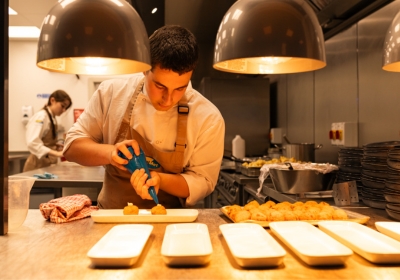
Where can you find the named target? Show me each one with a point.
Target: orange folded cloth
(68, 208)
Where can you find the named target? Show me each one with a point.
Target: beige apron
(117, 190)
(33, 162)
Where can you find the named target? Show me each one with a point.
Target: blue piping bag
(138, 162)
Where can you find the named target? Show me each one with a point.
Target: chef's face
(57, 108)
(165, 87)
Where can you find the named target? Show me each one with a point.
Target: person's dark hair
(174, 48)
(59, 96)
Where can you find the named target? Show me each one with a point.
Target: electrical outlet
(344, 134)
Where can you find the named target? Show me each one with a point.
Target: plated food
(131, 209)
(310, 211)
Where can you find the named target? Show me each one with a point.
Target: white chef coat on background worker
(38, 126)
(205, 129)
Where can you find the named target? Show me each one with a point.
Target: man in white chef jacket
(179, 130)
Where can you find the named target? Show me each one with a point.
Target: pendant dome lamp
(391, 47)
(269, 37)
(93, 37)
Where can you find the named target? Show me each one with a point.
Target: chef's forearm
(174, 184)
(87, 152)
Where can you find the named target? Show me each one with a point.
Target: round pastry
(158, 210)
(242, 215)
(276, 216)
(131, 209)
(269, 203)
(310, 203)
(339, 214)
(289, 216)
(258, 216)
(324, 215)
(252, 204)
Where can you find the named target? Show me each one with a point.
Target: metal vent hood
(337, 15)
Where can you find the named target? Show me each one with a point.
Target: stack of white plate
(392, 183)
(375, 171)
(350, 168)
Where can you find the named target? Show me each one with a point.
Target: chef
(41, 132)
(179, 130)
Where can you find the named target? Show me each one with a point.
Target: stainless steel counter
(43, 250)
(70, 175)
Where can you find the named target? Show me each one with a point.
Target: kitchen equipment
(300, 181)
(19, 188)
(301, 151)
(138, 162)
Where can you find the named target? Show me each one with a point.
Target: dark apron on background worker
(117, 190)
(33, 162)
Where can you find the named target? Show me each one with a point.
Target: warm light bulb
(95, 61)
(272, 60)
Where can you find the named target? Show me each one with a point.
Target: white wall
(26, 81)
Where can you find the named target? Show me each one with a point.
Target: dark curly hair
(174, 48)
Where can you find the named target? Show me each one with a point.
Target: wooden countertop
(43, 250)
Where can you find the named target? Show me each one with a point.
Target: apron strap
(181, 137)
(125, 124)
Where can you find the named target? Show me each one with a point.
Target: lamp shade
(95, 37)
(269, 37)
(391, 47)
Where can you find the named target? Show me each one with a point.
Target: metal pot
(301, 151)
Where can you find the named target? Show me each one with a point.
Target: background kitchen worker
(41, 132)
(180, 131)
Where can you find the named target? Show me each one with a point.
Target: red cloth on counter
(68, 208)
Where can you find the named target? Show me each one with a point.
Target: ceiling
(202, 17)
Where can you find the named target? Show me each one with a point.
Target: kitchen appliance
(301, 151)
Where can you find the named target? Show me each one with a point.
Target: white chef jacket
(102, 118)
(38, 126)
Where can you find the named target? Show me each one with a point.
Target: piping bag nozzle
(138, 162)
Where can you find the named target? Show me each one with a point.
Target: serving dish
(368, 243)
(310, 244)
(252, 246)
(391, 229)
(352, 216)
(145, 216)
(186, 244)
(300, 181)
(122, 245)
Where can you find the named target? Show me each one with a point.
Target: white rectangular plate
(120, 246)
(370, 244)
(252, 246)
(391, 229)
(145, 216)
(186, 244)
(310, 244)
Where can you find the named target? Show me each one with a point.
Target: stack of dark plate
(350, 168)
(375, 172)
(392, 183)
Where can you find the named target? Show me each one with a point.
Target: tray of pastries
(309, 211)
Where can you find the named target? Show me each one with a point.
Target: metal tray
(352, 217)
(250, 171)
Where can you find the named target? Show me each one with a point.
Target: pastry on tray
(131, 209)
(158, 210)
(284, 211)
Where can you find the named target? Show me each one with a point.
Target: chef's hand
(141, 186)
(119, 162)
(56, 153)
